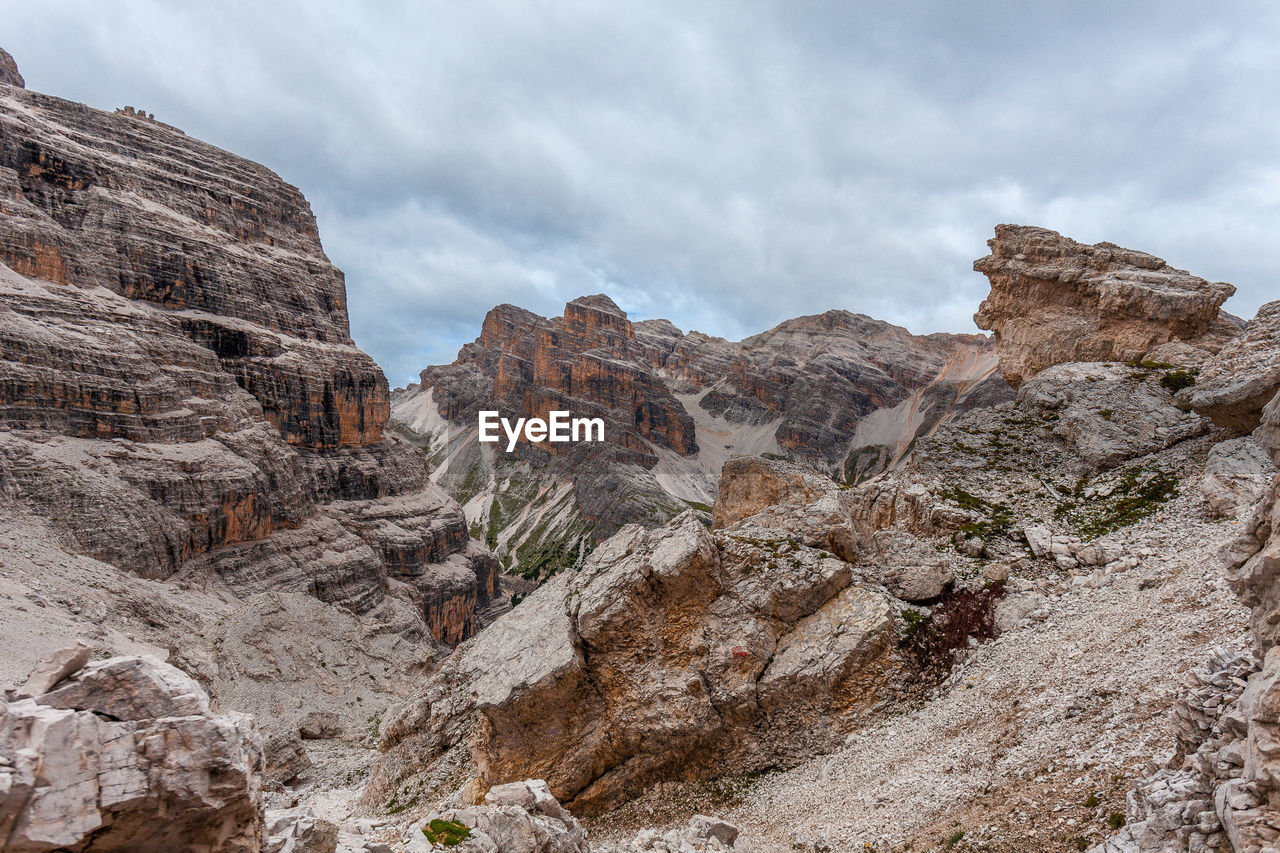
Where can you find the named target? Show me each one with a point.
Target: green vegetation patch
(1176, 380)
(450, 833)
(996, 516)
(1137, 495)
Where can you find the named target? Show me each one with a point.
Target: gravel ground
(1034, 740)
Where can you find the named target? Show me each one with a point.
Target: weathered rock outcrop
(1108, 413)
(841, 391)
(125, 755)
(179, 391)
(1235, 385)
(1054, 301)
(1236, 477)
(9, 75)
(672, 654)
(1226, 791)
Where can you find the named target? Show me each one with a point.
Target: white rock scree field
(603, 584)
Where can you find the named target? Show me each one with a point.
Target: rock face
(1054, 300)
(9, 75)
(93, 763)
(1243, 377)
(1110, 412)
(842, 391)
(179, 392)
(1236, 477)
(673, 653)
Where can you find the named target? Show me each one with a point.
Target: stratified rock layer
(179, 391)
(1054, 300)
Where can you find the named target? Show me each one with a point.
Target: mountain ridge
(677, 406)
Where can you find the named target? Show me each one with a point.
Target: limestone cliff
(179, 391)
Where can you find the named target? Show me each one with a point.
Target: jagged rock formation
(9, 75)
(1238, 767)
(179, 392)
(998, 498)
(92, 763)
(673, 653)
(841, 390)
(1235, 385)
(1054, 300)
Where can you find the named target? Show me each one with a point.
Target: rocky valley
(835, 587)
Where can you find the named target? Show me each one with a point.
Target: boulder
(320, 725)
(704, 827)
(299, 830)
(676, 653)
(908, 567)
(532, 795)
(79, 777)
(1054, 300)
(1236, 477)
(1039, 539)
(130, 688)
(286, 757)
(1243, 377)
(53, 669)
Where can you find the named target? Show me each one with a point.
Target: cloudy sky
(723, 164)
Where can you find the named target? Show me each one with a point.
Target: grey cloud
(725, 165)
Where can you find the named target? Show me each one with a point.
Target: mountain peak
(9, 70)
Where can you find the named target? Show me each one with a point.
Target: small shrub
(1091, 801)
(1176, 380)
(954, 838)
(450, 833)
(1106, 414)
(931, 639)
(1115, 820)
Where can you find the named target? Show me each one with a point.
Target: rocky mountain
(842, 392)
(193, 462)
(1052, 625)
(988, 641)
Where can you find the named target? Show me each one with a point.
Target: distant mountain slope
(842, 392)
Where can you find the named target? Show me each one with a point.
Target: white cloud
(726, 165)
